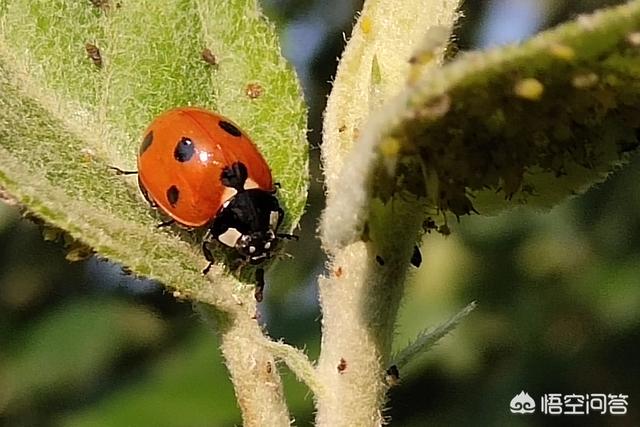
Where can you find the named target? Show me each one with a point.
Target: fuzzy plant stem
(251, 365)
(360, 298)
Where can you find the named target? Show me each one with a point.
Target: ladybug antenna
(122, 171)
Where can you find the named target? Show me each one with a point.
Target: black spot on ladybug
(234, 176)
(416, 257)
(184, 150)
(229, 128)
(146, 142)
(379, 260)
(173, 194)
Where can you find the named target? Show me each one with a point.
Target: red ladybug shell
(181, 159)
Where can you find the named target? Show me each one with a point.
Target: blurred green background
(82, 344)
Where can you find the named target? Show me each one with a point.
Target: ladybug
(201, 170)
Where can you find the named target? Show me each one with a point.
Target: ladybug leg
(283, 235)
(166, 223)
(259, 292)
(208, 256)
(121, 171)
(143, 190)
(280, 217)
(205, 270)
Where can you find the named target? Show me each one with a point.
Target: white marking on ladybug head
(203, 156)
(252, 249)
(228, 194)
(230, 237)
(249, 184)
(274, 219)
(267, 245)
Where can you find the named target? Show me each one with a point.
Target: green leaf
(529, 124)
(76, 343)
(381, 56)
(176, 391)
(376, 64)
(426, 339)
(65, 117)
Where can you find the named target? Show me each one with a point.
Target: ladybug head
(257, 246)
(249, 223)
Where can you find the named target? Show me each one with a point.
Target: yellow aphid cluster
(530, 89)
(564, 118)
